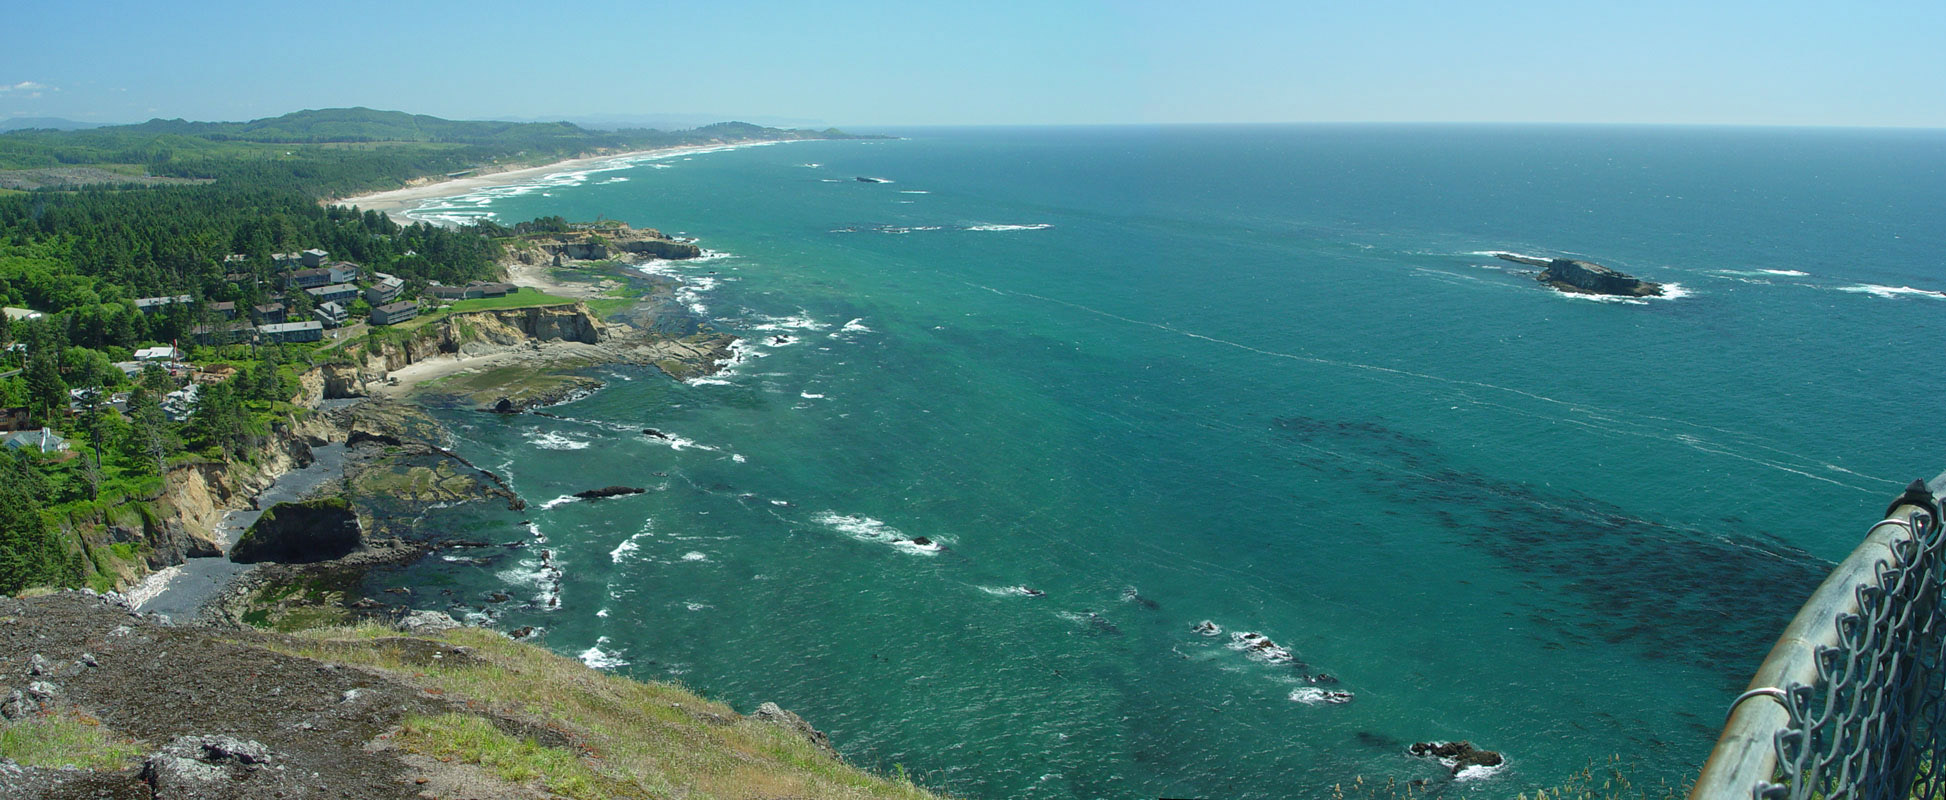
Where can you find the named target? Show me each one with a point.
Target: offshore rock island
(1585, 277)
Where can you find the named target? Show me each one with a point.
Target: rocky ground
(97, 701)
(210, 717)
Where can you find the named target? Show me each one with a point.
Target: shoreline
(398, 203)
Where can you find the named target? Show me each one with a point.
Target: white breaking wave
(566, 498)
(1260, 646)
(1011, 591)
(1499, 253)
(867, 529)
(864, 529)
(1312, 696)
(599, 657)
(630, 545)
(1479, 772)
(695, 556)
(800, 321)
(1670, 291)
(471, 207)
(810, 396)
(547, 440)
(1038, 226)
(856, 326)
(1892, 292)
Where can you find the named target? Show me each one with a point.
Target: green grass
(522, 299)
(66, 739)
(475, 740)
(636, 739)
(525, 298)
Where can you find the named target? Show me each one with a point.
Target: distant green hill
(344, 125)
(50, 123)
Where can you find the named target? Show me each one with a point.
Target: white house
(164, 353)
(43, 440)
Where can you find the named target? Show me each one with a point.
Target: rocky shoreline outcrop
(1585, 277)
(600, 244)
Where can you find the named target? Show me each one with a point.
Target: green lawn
(521, 299)
(525, 298)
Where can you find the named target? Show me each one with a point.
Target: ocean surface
(1270, 378)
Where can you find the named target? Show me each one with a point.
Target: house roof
(144, 302)
(43, 439)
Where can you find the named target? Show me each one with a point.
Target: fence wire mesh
(1860, 677)
(1869, 726)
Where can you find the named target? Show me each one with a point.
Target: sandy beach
(396, 202)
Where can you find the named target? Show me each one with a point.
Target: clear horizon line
(1500, 123)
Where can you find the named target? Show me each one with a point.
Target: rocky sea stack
(1586, 277)
(301, 533)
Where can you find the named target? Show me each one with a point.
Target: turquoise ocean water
(1266, 377)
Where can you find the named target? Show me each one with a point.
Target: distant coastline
(395, 203)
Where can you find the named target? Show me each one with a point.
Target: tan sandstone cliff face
(195, 496)
(482, 332)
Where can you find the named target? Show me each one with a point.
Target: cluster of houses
(19, 431)
(332, 287)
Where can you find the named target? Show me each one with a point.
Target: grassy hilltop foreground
(99, 702)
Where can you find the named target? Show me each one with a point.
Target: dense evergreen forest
(79, 258)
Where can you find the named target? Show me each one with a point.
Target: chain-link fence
(1850, 702)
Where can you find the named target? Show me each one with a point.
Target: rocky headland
(1585, 277)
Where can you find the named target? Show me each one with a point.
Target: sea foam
(1037, 226)
(547, 440)
(599, 657)
(1892, 292)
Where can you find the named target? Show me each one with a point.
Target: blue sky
(867, 64)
